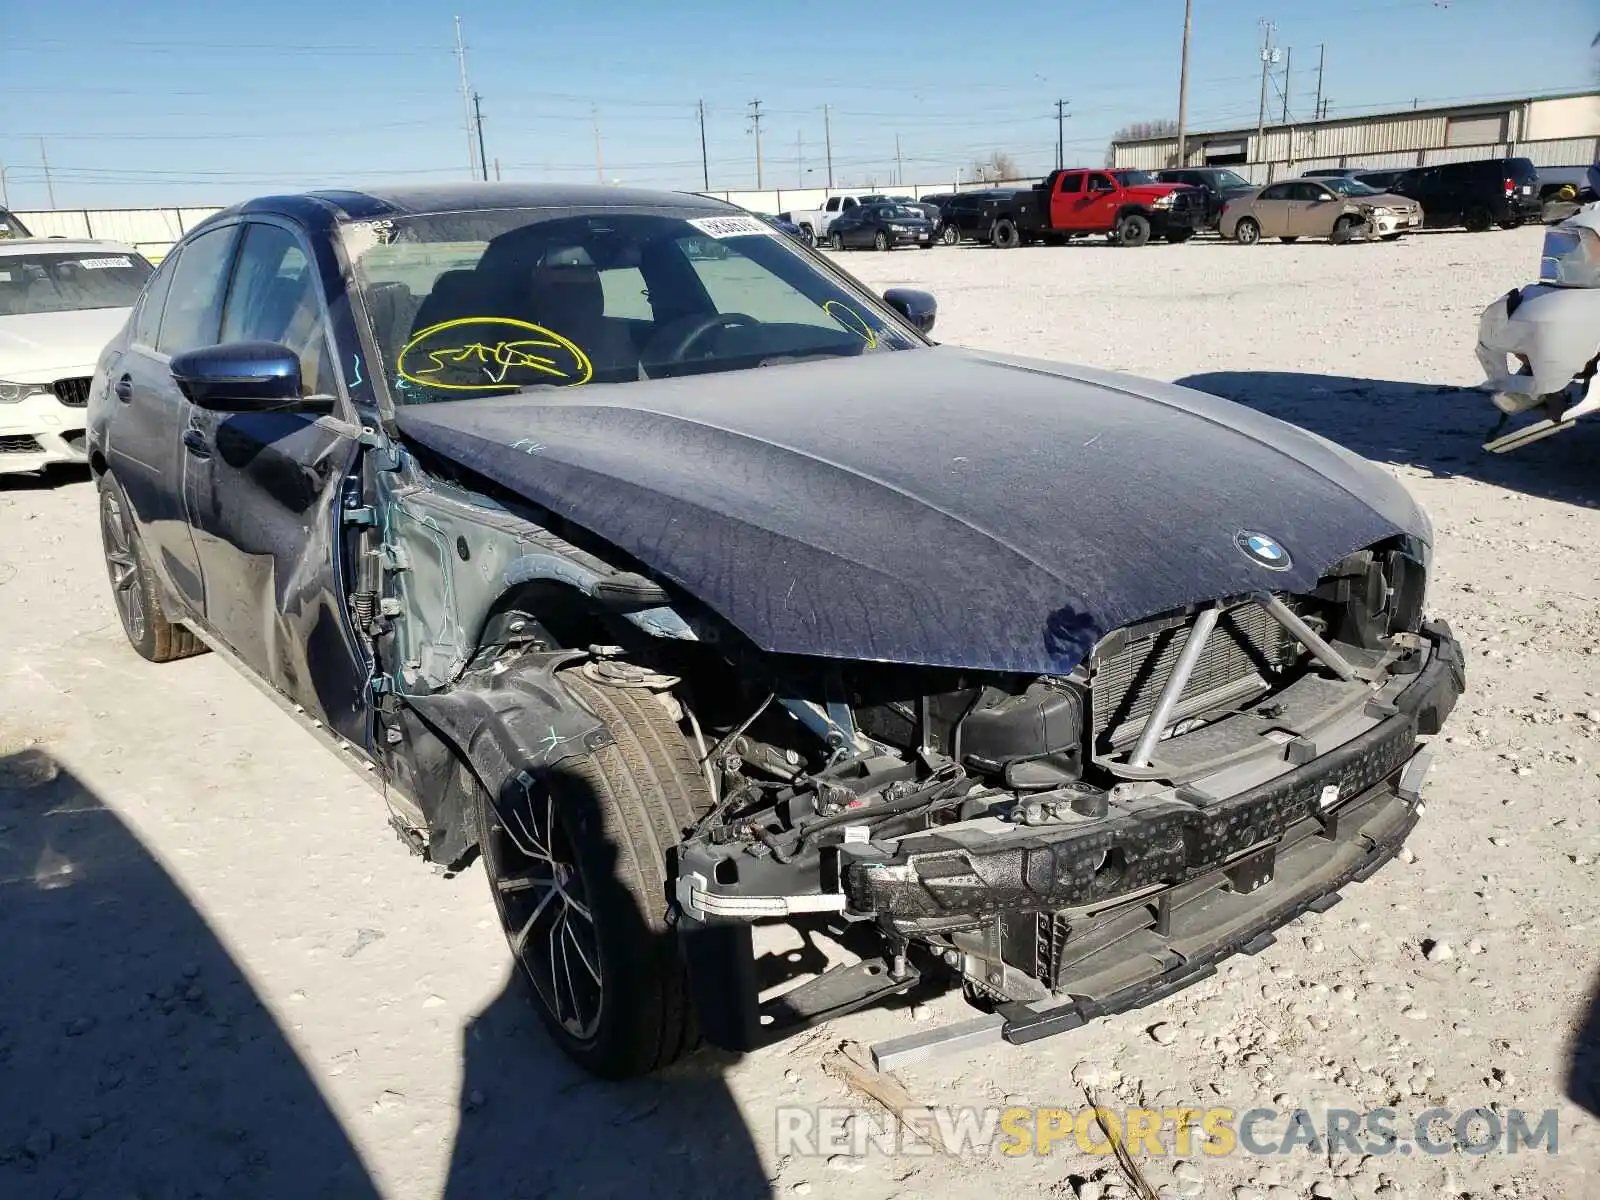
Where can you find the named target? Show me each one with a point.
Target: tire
(135, 593)
(1004, 235)
(880, 241)
(1344, 230)
(1178, 237)
(836, 241)
(1132, 230)
(1289, 241)
(1478, 219)
(1514, 223)
(951, 235)
(1247, 232)
(1392, 237)
(609, 821)
(928, 245)
(808, 235)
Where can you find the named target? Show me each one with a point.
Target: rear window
(1521, 169)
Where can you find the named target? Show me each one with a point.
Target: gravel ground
(225, 978)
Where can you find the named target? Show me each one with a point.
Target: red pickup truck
(1128, 207)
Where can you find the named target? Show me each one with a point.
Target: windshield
(900, 212)
(44, 283)
(1345, 186)
(1134, 178)
(483, 303)
(1227, 179)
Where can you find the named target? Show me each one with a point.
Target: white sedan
(61, 301)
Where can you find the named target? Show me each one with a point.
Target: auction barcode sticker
(726, 227)
(105, 264)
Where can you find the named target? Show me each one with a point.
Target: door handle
(196, 444)
(124, 388)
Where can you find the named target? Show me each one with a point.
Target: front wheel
(880, 241)
(1344, 230)
(1178, 237)
(1133, 230)
(951, 235)
(576, 859)
(836, 241)
(134, 590)
(1247, 232)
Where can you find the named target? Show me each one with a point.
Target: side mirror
(239, 377)
(918, 307)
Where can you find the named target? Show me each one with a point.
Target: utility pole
(5, 200)
(1183, 83)
(599, 159)
(899, 164)
(705, 163)
(827, 139)
(755, 128)
(497, 168)
(799, 159)
(1322, 52)
(1288, 55)
(477, 117)
(466, 101)
(1061, 145)
(50, 188)
(1268, 57)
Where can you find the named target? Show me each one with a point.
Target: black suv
(1217, 183)
(10, 227)
(1477, 194)
(963, 216)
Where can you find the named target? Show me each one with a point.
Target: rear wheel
(577, 862)
(1510, 224)
(1133, 230)
(1478, 219)
(1004, 234)
(1247, 232)
(134, 589)
(808, 235)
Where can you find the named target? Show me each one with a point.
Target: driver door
(1312, 210)
(263, 492)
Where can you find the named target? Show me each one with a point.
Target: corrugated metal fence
(151, 231)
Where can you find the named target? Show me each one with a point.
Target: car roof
(63, 245)
(420, 199)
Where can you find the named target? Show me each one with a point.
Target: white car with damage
(61, 301)
(1539, 345)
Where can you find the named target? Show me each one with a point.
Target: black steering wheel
(678, 346)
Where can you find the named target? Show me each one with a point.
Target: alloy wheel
(545, 907)
(122, 565)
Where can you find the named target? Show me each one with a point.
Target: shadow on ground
(137, 1059)
(1583, 1074)
(1440, 429)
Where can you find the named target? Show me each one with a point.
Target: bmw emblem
(1262, 550)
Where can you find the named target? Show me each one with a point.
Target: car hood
(1154, 191)
(935, 506)
(1384, 200)
(40, 347)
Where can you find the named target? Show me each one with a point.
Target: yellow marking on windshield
(851, 320)
(480, 344)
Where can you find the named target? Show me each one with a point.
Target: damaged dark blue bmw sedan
(637, 549)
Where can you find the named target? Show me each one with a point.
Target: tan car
(1335, 208)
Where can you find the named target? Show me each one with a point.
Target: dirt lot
(225, 978)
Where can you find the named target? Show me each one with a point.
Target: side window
(832, 205)
(1072, 184)
(148, 323)
(626, 293)
(1101, 183)
(275, 298)
(850, 202)
(1309, 192)
(194, 303)
(1278, 191)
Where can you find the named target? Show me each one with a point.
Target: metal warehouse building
(1553, 131)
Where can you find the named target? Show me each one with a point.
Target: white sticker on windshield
(105, 264)
(727, 227)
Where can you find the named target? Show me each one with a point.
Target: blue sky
(188, 102)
